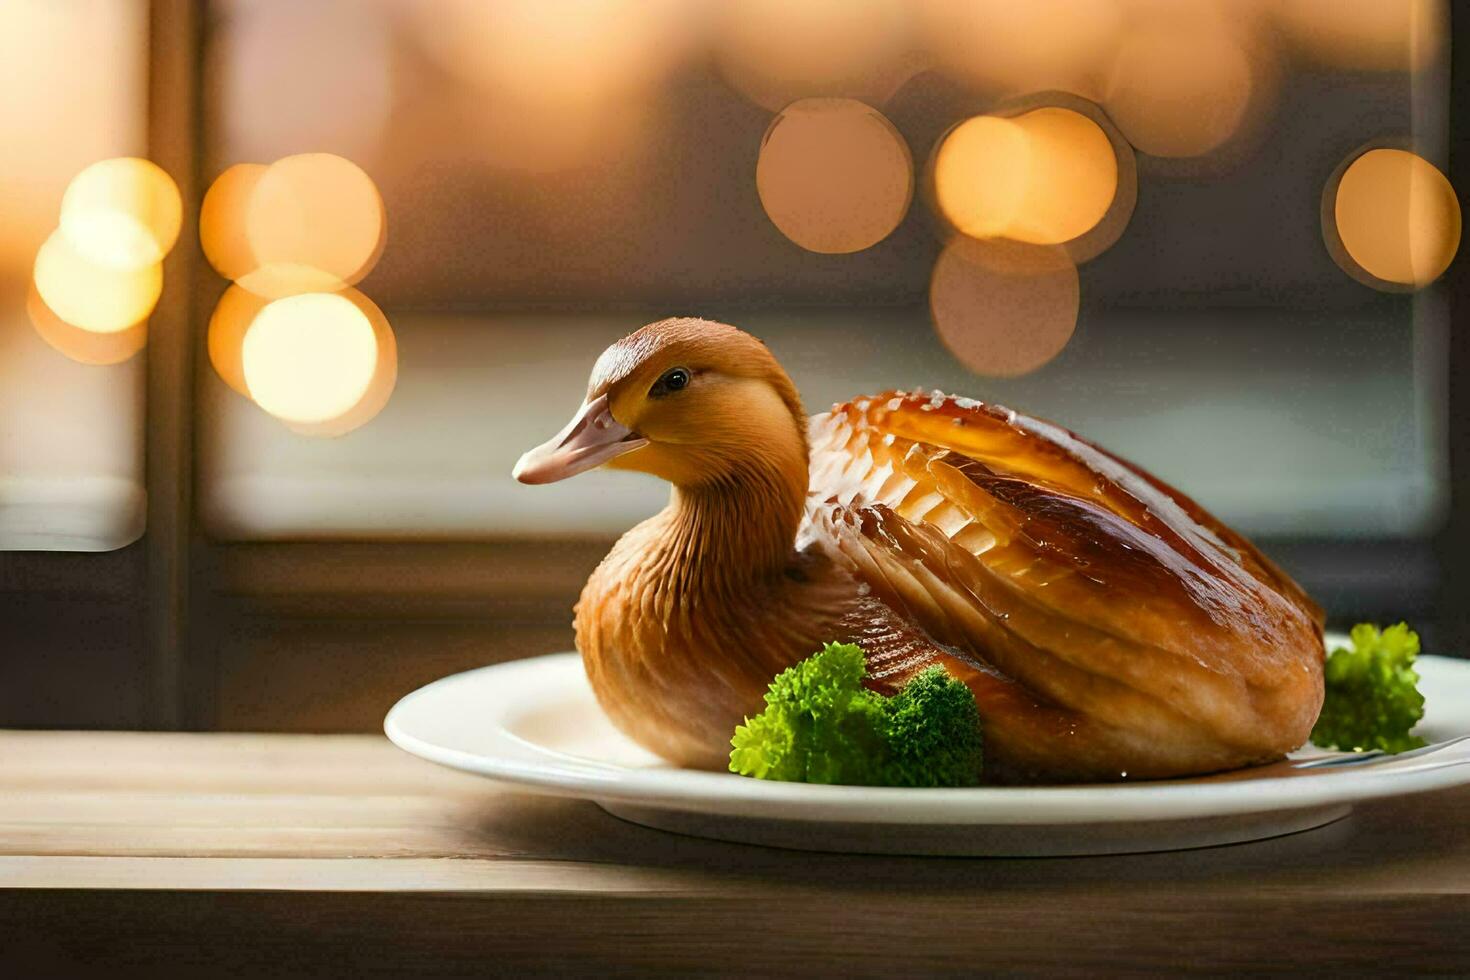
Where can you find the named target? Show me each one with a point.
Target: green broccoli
(820, 725)
(1372, 701)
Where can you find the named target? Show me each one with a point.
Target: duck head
(697, 403)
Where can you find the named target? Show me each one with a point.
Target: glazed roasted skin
(1109, 627)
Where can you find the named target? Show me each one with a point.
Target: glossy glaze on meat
(1111, 628)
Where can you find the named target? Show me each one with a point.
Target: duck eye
(674, 379)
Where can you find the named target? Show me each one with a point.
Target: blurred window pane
(530, 223)
(73, 90)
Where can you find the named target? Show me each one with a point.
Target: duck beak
(590, 439)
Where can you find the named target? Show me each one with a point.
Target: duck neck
(731, 532)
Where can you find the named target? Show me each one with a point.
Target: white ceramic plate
(536, 724)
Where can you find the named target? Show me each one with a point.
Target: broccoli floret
(933, 732)
(1371, 698)
(820, 725)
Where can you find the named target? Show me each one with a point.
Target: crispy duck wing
(1108, 625)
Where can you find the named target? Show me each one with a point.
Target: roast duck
(1108, 626)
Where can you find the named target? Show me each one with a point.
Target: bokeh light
(312, 360)
(1377, 35)
(1004, 308)
(124, 213)
(1007, 47)
(981, 175)
(290, 334)
(222, 220)
(834, 175)
(1391, 217)
(225, 339)
(97, 278)
(379, 389)
(309, 358)
(314, 222)
(1181, 85)
(90, 296)
(84, 346)
(775, 51)
(1045, 177)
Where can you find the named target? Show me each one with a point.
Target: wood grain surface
(133, 853)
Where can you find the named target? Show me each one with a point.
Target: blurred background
(286, 288)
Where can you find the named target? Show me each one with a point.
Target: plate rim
(535, 768)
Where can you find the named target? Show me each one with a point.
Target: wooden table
(299, 853)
